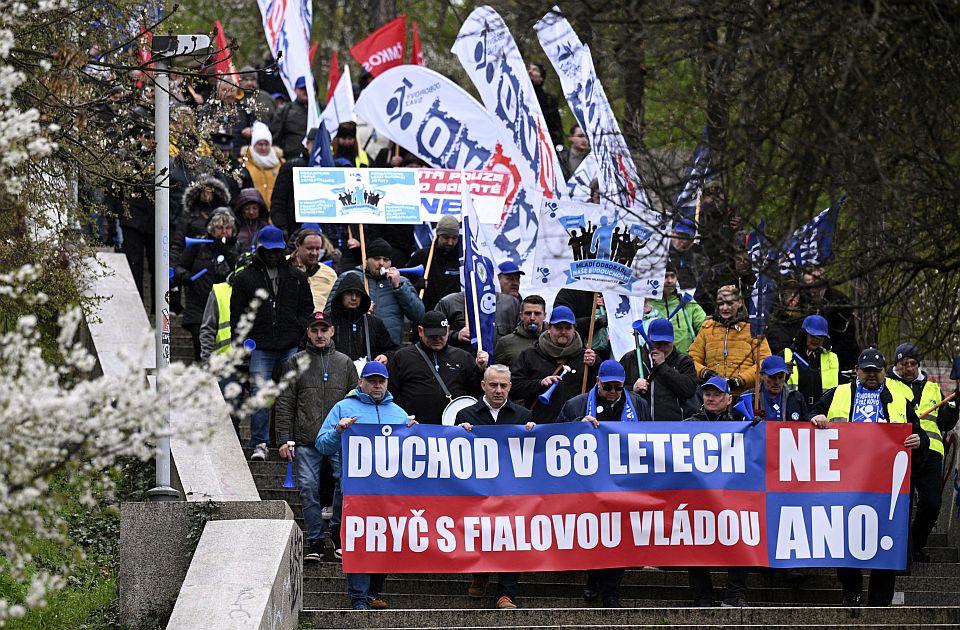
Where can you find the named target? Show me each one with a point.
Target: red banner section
(384, 48)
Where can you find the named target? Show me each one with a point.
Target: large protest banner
(434, 499)
(393, 195)
(286, 25)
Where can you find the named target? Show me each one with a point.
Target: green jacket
(690, 317)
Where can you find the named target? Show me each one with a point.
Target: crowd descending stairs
(928, 597)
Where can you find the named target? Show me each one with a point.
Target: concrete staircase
(651, 597)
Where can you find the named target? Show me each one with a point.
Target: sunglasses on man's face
(611, 387)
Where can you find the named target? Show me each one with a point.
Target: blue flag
(478, 286)
(763, 294)
(322, 154)
(812, 242)
(423, 235)
(685, 204)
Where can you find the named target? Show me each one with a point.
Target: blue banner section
(837, 529)
(430, 460)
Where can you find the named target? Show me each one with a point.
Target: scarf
(554, 351)
(628, 414)
(265, 162)
(867, 406)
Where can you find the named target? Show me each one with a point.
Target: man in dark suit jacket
(495, 408)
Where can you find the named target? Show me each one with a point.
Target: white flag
(286, 26)
(340, 108)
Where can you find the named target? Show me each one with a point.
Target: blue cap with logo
(562, 314)
(660, 330)
(773, 365)
(301, 82)
(611, 370)
(374, 368)
(718, 382)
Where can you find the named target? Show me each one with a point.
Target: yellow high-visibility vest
(829, 369)
(929, 397)
(222, 291)
(839, 410)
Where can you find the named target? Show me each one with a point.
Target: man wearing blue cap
(716, 407)
(688, 261)
(542, 365)
(509, 277)
(289, 125)
(660, 374)
(814, 368)
(926, 469)
(607, 401)
(779, 402)
(370, 403)
(278, 323)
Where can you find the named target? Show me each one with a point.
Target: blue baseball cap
(562, 314)
(611, 370)
(773, 365)
(660, 330)
(816, 325)
(510, 267)
(270, 237)
(719, 382)
(277, 95)
(374, 368)
(311, 226)
(685, 225)
(301, 82)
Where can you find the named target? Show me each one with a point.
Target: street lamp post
(164, 49)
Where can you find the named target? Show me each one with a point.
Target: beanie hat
(260, 131)
(379, 248)
(906, 351)
(448, 226)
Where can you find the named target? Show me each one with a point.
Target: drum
(453, 408)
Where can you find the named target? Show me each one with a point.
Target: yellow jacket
(263, 179)
(729, 351)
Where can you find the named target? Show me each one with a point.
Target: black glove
(706, 375)
(734, 383)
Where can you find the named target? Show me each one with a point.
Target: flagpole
(363, 256)
(593, 321)
(426, 270)
(476, 309)
(696, 217)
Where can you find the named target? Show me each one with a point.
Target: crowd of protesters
(389, 346)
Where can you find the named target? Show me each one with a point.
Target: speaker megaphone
(412, 271)
(544, 398)
(190, 242)
(745, 405)
(685, 299)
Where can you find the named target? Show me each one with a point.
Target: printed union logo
(604, 251)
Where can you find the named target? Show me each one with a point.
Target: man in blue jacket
(369, 403)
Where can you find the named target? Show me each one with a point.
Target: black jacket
(672, 383)
(282, 201)
(196, 214)
(289, 127)
(283, 316)
(532, 366)
(194, 260)
(414, 385)
(352, 325)
(703, 414)
(303, 406)
(575, 409)
(479, 414)
(795, 406)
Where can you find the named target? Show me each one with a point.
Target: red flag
(144, 52)
(334, 76)
(416, 52)
(384, 48)
(313, 51)
(222, 63)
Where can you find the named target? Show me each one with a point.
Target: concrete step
(823, 617)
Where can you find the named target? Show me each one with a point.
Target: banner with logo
(384, 48)
(392, 195)
(562, 497)
(592, 248)
(489, 54)
(444, 126)
(286, 25)
(578, 186)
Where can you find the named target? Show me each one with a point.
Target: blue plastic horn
(685, 299)
(955, 372)
(199, 274)
(288, 482)
(250, 344)
(745, 405)
(190, 242)
(412, 271)
(544, 398)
